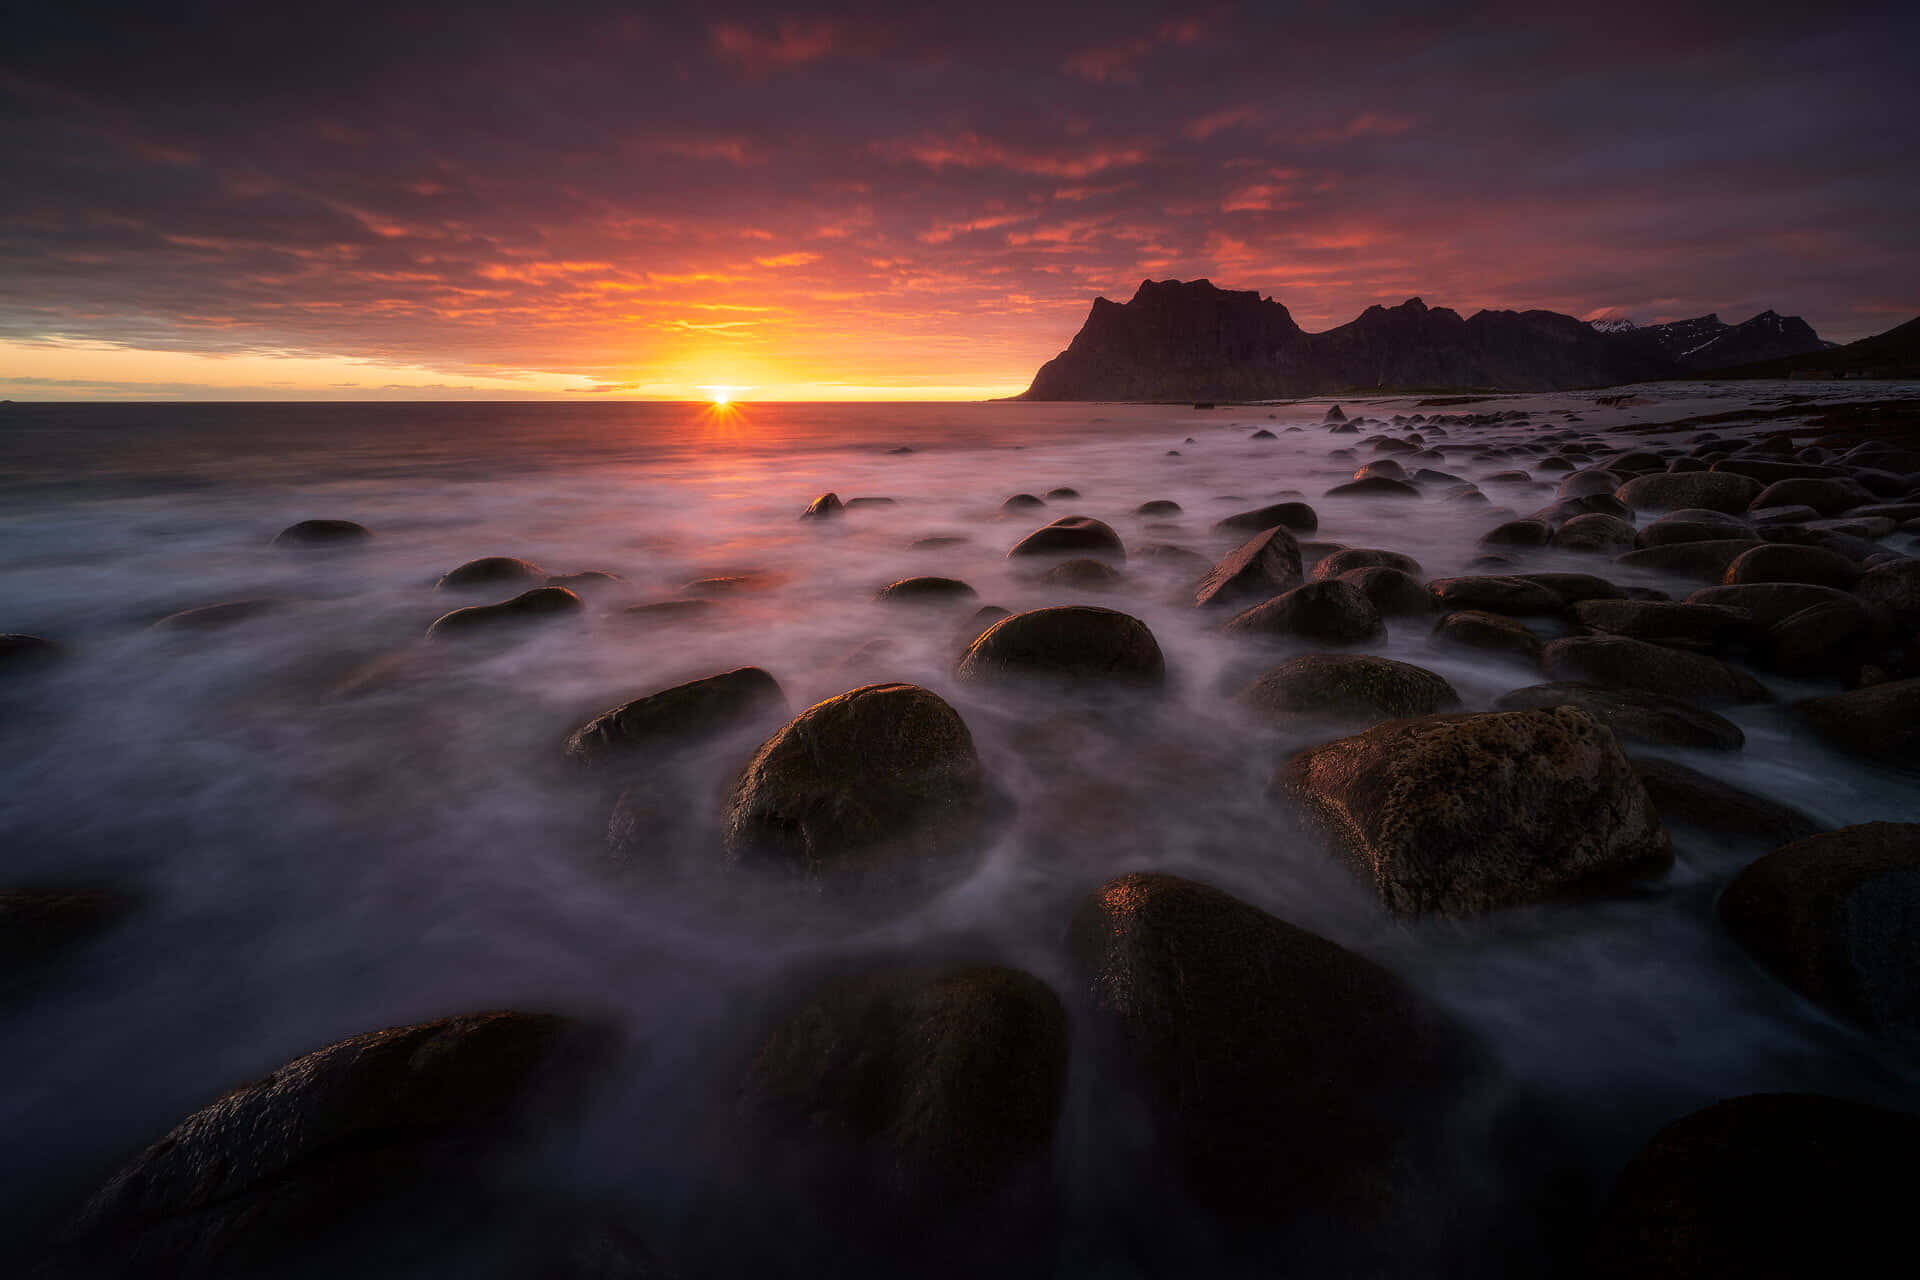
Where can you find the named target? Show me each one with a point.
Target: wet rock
(1495, 594)
(938, 542)
(926, 590)
(1687, 795)
(1335, 414)
(1582, 484)
(1295, 517)
(1347, 687)
(982, 618)
(726, 584)
(1331, 612)
(1828, 497)
(211, 617)
(542, 604)
(22, 653)
(1082, 575)
(1881, 722)
(1633, 715)
(1607, 535)
(1467, 813)
(1075, 643)
(1572, 588)
(1284, 1071)
(585, 580)
(373, 1130)
(926, 1085)
(1263, 434)
(1158, 507)
(1666, 532)
(489, 572)
(1384, 467)
(1895, 587)
(1063, 493)
(1347, 559)
(1622, 663)
(1831, 638)
(1487, 632)
(1394, 592)
(1705, 627)
(1258, 569)
(1168, 558)
(824, 507)
(1778, 562)
(1518, 533)
(1023, 502)
(1071, 535)
(37, 924)
(322, 533)
(1768, 602)
(1714, 490)
(1833, 916)
(682, 716)
(1374, 487)
(1707, 560)
(878, 779)
(855, 504)
(1765, 1185)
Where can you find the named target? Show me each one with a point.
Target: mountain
(1177, 340)
(1893, 354)
(1708, 342)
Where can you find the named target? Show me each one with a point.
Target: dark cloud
(603, 190)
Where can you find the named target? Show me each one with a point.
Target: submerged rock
(491, 571)
(1688, 795)
(1261, 567)
(1158, 507)
(1082, 574)
(35, 924)
(926, 590)
(683, 715)
(1071, 535)
(1374, 487)
(1295, 517)
(1348, 687)
(1633, 714)
(538, 605)
(1331, 612)
(1895, 587)
(824, 507)
(1460, 814)
(210, 617)
(1284, 1072)
(1075, 643)
(21, 653)
(322, 533)
(1834, 917)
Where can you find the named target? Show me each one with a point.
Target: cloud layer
(650, 199)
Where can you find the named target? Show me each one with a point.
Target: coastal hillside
(1893, 354)
(1179, 341)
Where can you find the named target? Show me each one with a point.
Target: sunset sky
(575, 199)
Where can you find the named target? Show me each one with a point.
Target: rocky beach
(1415, 834)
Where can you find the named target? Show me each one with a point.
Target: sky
(892, 201)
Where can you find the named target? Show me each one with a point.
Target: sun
(719, 395)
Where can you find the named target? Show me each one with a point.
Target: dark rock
(1782, 562)
(538, 605)
(585, 580)
(1331, 612)
(1765, 1185)
(1167, 557)
(489, 572)
(1831, 638)
(670, 612)
(926, 590)
(1694, 626)
(1263, 434)
(1881, 721)
(1082, 574)
(1518, 533)
(1488, 632)
(1667, 532)
(855, 504)
(1573, 588)
(1295, 517)
(1687, 795)
(210, 617)
(1258, 569)
(1023, 502)
(1633, 715)
(1583, 484)
(1347, 559)
(21, 653)
(1594, 533)
(682, 716)
(1347, 687)
(824, 507)
(322, 533)
(1714, 490)
(1828, 497)
(1833, 916)
(1062, 493)
(1373, 487)
(1495, 594)
(1072, 535)
(1768, 602)
(1394, 592)
(1076, 643)
(982, 618)
(880, 777)
(1706, 560)
(934, 1084)
(1895, 587)
(1283, 1071)
(36, 924)
(1466, 813)
(938, 542)
(1622, 663)
(1384, 467)
(1158, 507)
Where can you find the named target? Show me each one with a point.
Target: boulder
(1768, 602)
(880, 778)
(1394, 592)
(1076, 643)
(1604, 534)
(1260, 568)
(1881, 721)
(1071, 536)
(1784, 562)
(1581, 484)
(1063, 493)
(1295, 517)
(1460, 814)
(322, 533)
(1633, 715)
(928, 1084)
(1705, 627)
(1158, 507)
(36, 924)
(926, 590)
(1023, 502)
(1492, 593)
(1349, 558)
(1082, 574)
(1668, 491)
(1518, 533)
(1383, 467)
(1683, 795)
(1331, 612)
(1488, 632)
(1619, 662)
(1706, 560)
(1692, 526)
(1346, 687)
(1836, 916)
(23, 653)
(824, 507)
(682, 716)
(1831, 638)
(212, 617)
(1829, 497)
(1895, 587)
(489, 572)
(1374, 487)
(1284, 1073)
(1575, 587)
(1776, 1184)
(585, 580)
(542, 604)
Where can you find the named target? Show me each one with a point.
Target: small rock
(824, 507)
(22, 653)
(322, 533)
(1706, 560)
(1518, 533)
(1062, 493)
(1373, 487)
(683, 715)
(1295, 517)
(1690, 796)
(1158, 507)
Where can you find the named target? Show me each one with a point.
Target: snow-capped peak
(1613, 324)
